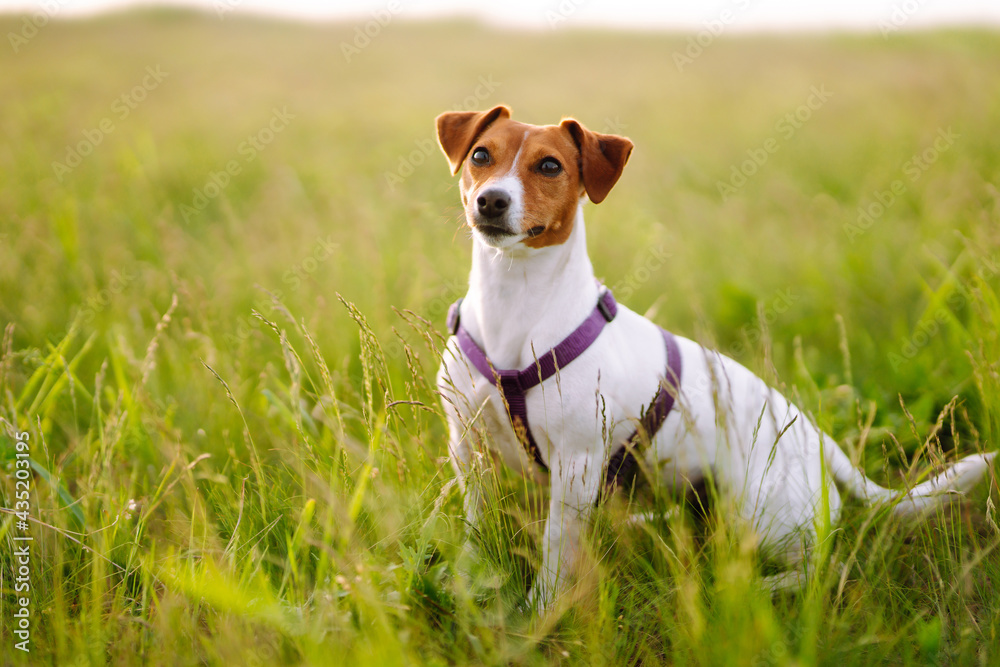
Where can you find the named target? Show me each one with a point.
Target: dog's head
(522, 183)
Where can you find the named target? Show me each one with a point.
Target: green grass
(237, 453)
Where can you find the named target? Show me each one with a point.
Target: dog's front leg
(469, 480)
(469, 471)
(574, 487)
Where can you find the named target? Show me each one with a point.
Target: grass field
(226, 251)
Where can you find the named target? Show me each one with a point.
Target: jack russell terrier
(577, 390)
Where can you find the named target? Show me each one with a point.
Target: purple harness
(512, 385)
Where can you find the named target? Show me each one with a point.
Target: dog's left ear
(458, 130)
(602, 158)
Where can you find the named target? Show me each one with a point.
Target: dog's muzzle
(492, 217)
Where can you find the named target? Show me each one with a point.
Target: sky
(750, 15)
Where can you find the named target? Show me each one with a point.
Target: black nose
(493, 203)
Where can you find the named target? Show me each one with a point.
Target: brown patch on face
(549, 201)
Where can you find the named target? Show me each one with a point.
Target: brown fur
(592, 164)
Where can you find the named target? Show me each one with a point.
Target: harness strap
(623, 466)
(513, 384)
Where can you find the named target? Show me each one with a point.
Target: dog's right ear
(602, 158)
(458, 130)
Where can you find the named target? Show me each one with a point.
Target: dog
(584, 412)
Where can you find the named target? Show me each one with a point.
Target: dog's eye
(550, 166)
(480, 157)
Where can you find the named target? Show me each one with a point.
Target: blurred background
(753, 15)
(215, 149)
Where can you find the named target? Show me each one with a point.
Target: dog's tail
(958, 478)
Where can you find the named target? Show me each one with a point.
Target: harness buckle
(602, 305)
(454, 316)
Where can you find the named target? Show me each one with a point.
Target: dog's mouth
(497, 232)
(492, 231)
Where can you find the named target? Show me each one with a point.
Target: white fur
(511, 183)
(726, 421)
